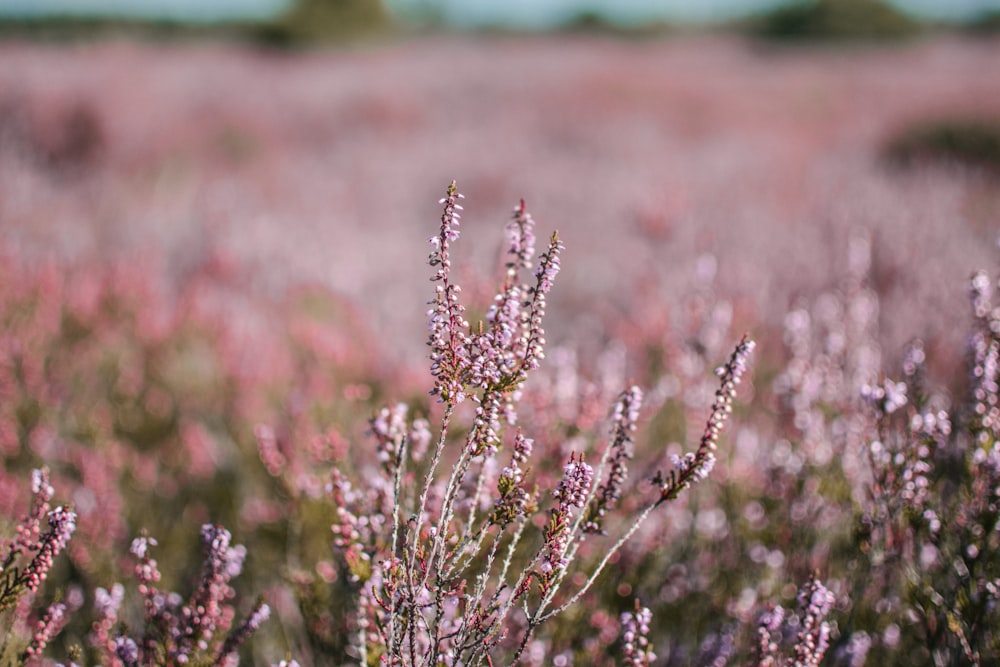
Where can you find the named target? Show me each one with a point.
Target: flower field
(742, 408)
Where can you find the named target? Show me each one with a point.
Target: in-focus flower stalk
(460, 568)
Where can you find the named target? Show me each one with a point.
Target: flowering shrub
(137, 395)
(25, 562)
(463, 566)
(140, 377)
(809, 628)
(175, 632)
(534, 507)
(161, 382)
(930, 526)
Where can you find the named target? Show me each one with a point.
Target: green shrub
(970, 142)
(321, 21)
(835, 20)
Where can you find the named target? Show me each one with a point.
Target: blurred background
(215, 215)
(313, 138)
(651, 133)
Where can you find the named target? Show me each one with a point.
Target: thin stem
(396, 493)
(604, 561)
(476, 542)
(480, 483)
(524, 642)
(411, 553)
(429, 476)
(444, 519)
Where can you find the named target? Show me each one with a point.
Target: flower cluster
(985, 349)
(107, 604)
(447, 324)
(388, 428)
(513, 498)
(768, 646)
(178, 632)
(888, 397)
(696, 465)
(809, 628)
(618, 454)
(62, 523)
(30, 541)
(492, 360)
(28, 531)
(572, 493)
(25, 563)
(636, 649)
(813, 638)
(47, 627)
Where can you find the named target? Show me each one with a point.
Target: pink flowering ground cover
(214, 296)
(645, 155)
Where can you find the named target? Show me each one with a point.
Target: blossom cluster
(696, 465)
(985, 350)
(636, 648)
(572, 493)
(513, 498)
(495, 359)
(25, 563)
(177, 631)
(809, 627)
(619, 452)
(39, 549)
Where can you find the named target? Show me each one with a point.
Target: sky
(519, 13)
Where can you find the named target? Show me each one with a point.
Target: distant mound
(836, 20)
(303, 23)
(961, 141)
(986, 24)
(320, 21)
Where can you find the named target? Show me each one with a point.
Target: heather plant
(705, 566)
(25, 563)
(458, 554)
(137, 394)
(809, 630)
(198, 631)
(175, 631)
(481, 527)
(930, 526)
(783, 505)
(904, 463)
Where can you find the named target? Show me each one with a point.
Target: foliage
(968, 142)
(139, 401)
(311, 22)
(986, 24)
(836, 20)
